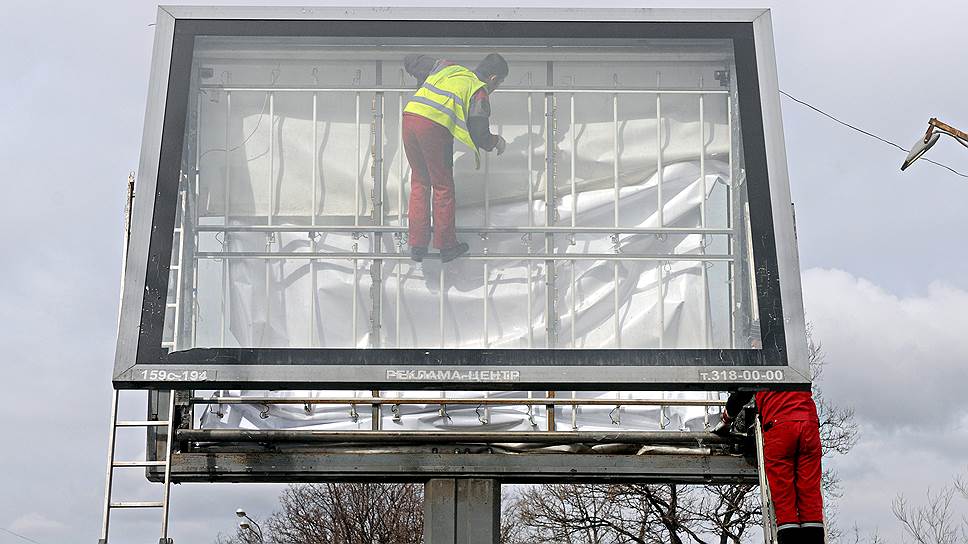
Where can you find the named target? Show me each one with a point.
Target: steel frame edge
(402, 13)
(787, 258)
(146, 181)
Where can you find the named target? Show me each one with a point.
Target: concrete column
(462, 511)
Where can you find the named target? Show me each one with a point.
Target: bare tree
(936, 521)
(603, 514)
(343, 514)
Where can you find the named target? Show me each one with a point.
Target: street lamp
(247, 523)
(930, 137)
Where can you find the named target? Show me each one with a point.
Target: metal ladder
(769, 516)
(113, 463)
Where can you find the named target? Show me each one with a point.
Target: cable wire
(18, 535)
(869, 134)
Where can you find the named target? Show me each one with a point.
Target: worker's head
(492, 71)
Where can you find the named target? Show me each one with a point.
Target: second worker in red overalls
(451, 104)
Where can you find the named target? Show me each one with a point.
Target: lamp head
(244, 525)
(921, 147)
(240, 512)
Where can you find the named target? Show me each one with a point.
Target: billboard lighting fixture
(935, 130)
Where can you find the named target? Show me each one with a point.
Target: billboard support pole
(462, 511)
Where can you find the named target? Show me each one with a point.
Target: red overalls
(430, 150)
(791, 452)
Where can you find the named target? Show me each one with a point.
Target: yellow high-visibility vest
(445, 98)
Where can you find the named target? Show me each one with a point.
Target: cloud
(35, 523)
(900, 361)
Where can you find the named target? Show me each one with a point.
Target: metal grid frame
(239, 455)
(506, 369)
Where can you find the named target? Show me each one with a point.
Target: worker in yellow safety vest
(451, 104)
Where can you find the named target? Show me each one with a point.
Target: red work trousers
(430, 150)
(791, 451)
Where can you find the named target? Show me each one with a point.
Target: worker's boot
(789, 535)
(811, 535)
(418, 253)
(451, 253)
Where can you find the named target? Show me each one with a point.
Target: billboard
(636, 232)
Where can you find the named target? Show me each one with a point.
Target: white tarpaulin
(287, 158)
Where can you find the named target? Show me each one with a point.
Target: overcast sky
(883, 253)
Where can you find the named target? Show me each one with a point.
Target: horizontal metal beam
(387, 438)
(558, 90)
(365, 228)
(315, 255)
(454, 401)
(418, 467)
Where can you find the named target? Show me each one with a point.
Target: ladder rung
(139, 463)
(142, 424)
(138, 504)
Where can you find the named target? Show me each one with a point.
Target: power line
(19, 535)
(866, 133)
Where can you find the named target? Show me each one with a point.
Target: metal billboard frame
(141, 361)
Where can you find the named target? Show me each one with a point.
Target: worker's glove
(501, 145)
(723, 427)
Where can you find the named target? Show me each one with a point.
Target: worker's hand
(724, 426)
(721, 429)
(501, 145)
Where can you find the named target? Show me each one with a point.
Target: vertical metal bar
(109, 474)
(530, 217)
(194, 222)
(183, 205)
(225, 235)
(272, 132)
(530, 163)
(662, 323)
(658, 143)
(312, 236)
(400, 175)
(398, 265)
(356, 290)
(704, 312)
(530, 304)
(359, 167)
(574, 306)
(573, 133)
(550, 411)
(487, 333)
(731, 224)
(550, 130)
(271, 211)
(402, 171)
(574, 412)
(615, 147)
(378, 196)
(170, 439)
(616, 321)
(376, 412)
(574, 152)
